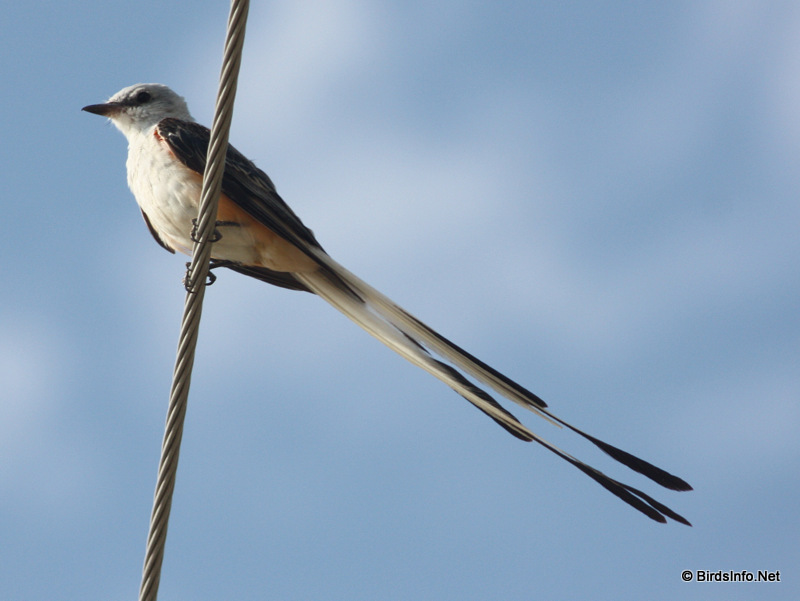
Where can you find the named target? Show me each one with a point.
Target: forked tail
(413, 340)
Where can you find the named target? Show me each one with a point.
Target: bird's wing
(247, 185)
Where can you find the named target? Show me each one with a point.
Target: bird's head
(139, 107)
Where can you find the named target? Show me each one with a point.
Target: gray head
(139, 107)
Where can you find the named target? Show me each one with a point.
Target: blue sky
(599, 200)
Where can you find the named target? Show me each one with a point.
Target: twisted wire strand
(195, 292)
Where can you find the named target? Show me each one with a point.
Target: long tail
(412, 339)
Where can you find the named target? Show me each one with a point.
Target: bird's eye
(143, 97)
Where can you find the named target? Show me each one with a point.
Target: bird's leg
(213, 264)
(217, 235)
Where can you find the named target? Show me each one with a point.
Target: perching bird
(260, 236)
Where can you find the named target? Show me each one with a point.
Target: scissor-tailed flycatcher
(263, 238)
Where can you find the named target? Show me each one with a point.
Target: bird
(259, 235)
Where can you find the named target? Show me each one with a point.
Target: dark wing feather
(153, 231)
(276, 278)
(253, 191)
(244, 183)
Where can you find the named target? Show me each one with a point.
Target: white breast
(166, 190)
(169, 194)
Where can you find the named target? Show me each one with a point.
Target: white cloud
(296, 54)
(32, 362)
(36, 450)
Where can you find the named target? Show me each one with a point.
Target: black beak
(107, 109)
